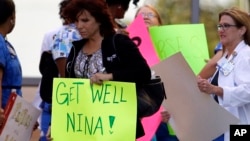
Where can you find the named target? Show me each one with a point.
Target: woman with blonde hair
(151, 18)
(233, 80)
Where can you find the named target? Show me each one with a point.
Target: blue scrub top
(12, 72)
(217, 48)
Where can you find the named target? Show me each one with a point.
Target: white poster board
(195, 116)
(21, 117)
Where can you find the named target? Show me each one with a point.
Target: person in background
(150, 15)
(232, 88)
(63, 41)
(152, 18)
(118, 9)
(10, 67)
(58, 43)
(37, 101)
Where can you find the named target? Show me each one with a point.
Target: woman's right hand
(165, 116)
(1, 117)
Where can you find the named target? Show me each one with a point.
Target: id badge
(227, 68)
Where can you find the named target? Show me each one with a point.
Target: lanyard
(226, 66)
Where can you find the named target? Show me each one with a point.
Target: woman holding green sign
(95, 56)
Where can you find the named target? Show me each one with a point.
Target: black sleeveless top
(215, 82)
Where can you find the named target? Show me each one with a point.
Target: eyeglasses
(148, 15)
(224, 26)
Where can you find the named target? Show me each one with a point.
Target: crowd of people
(79, 48)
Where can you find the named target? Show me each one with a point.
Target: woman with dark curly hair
(94, 57)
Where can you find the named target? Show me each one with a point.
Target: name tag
(226, 66)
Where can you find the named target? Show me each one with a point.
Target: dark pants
(220, 138)
(162, 133)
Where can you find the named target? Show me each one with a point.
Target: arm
(61, 64)
(133, 67)
(206, 87)
(1, 110)
(209, 69)
(1, 79)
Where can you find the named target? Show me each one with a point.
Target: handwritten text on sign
(189, 39)
(84, 111)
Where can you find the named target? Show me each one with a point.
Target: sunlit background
(36, 17)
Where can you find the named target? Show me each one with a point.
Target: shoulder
(79, 43)
(123, 40)
(68, 28)
(2, 41)
(52, 33)
(1, 38)
(69, 32)
(121, 37)
(243, 54)
(217, 48)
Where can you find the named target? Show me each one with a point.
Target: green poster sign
(189, 39)
(85, 112)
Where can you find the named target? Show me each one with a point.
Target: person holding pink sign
(150, 15)
(152, 18)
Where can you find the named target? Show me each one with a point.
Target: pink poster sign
(150, 125)
(138, 32)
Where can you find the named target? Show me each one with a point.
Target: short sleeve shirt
(63, 41)
(48, 40)
(12, 73)
(218, 48)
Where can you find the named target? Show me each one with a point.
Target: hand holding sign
(1, 117)
(82, 111)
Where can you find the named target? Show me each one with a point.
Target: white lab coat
(236, 86)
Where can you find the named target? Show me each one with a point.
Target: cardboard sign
(21, 117)
(195, 116)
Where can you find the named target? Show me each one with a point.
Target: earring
(119, 7)
(12, 22)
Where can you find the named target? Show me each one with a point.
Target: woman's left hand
(98, 78)
(35, 126)
(205, 86)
